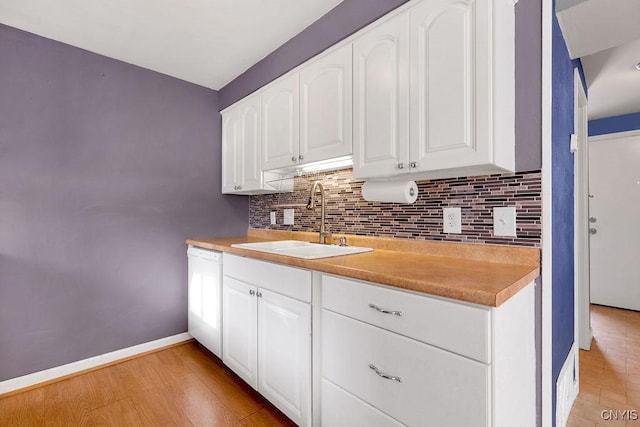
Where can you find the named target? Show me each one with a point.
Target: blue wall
(562, 204)
(615, 124)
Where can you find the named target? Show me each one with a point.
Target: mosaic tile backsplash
(347, 212)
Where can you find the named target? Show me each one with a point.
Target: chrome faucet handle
(342, 240)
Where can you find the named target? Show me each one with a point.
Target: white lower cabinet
(393, 356)
(284, 354)
(267, 334)
(381, 356)
(240, 329)
(415, 383)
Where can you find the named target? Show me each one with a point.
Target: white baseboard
(567, 387)
(92, 362)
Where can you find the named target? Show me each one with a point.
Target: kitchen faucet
(325, 236)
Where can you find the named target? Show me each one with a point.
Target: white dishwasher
(205, 295)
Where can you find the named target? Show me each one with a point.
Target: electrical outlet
(288, 216)
(273, 217)
(504, 221)
(452, 220)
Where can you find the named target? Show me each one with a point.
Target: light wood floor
(180, 386)
(187, 386)
(610, 371)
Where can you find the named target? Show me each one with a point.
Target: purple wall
(340, 22)
(105, 169)
(352, 15)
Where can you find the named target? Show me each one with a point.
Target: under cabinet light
(325, 165)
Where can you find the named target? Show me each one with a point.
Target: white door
(280, 124)
(614, 183)
(239, 329)
(450, 64)
(380, 104)
(230, 151)
(284, 354)
(581, 221)
(325, 107)
(251, 172)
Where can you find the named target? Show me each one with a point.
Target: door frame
(546, 373)
(583, 332)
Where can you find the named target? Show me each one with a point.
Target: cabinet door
(325, 107)
(450, 102)
(230, 151)
(381, 94)
(284, 354)
(249, 117)
(280, 124)
(239, 329)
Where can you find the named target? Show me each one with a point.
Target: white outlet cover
(452, 220)
(288, 216)
(273, 217)
(504, 221)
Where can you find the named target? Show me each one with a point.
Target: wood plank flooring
(188, 386)
(610, 371)
(179, 386)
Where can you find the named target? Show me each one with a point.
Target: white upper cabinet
(241, 145)
(281, 124)
(428, 90)
(381, 94)
(326, 107)
(446, 55)
(241, 170)
(461, 85)
(231, 151)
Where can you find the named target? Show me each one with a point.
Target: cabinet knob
(400, 165)
(293, 159)
(300, 157)
(235, 187)
(414, 164)
(259, 294)
(252, 292)
(239, 187)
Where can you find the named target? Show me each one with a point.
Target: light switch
(288, 216)
(504, 221)
(273, 217)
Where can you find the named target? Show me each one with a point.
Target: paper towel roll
(390, 191)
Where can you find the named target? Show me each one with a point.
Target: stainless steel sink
(299, 249)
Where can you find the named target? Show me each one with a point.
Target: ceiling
(605, 35)
(210, 42)
(207, 42)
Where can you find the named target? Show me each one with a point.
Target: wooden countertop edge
(504, 254)
(476, 296)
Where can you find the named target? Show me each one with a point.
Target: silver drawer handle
(382, 310)
(383, 375)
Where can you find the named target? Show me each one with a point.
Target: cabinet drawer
(457, 327)
(437, 387)
(342, 409)
(289, 281)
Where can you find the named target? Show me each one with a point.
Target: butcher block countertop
(482, 274)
